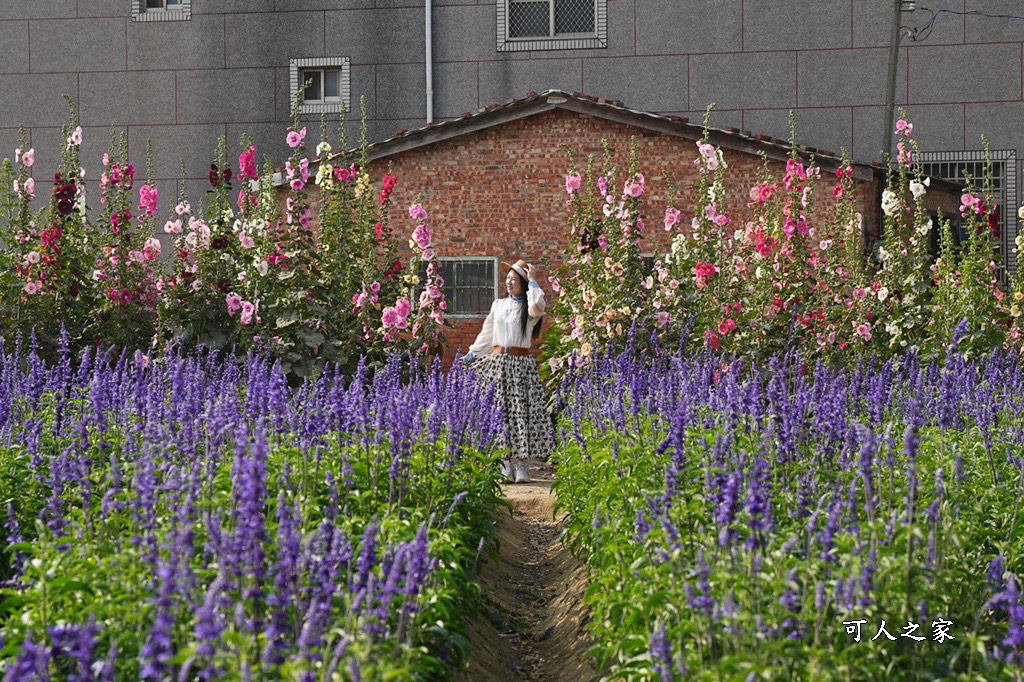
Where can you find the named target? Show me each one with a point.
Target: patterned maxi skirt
(527, 430)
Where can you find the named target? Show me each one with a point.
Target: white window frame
(573, 41)
(493, 260)
(1010, 223)
(332, 106)
(182, 12)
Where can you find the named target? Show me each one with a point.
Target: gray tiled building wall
(224, 71)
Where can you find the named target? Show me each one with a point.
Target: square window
(325, 83)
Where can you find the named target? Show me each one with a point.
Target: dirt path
(532, 626)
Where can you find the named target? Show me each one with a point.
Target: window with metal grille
(161, 10)
(470, 284)
(957, 166)
(551, 24)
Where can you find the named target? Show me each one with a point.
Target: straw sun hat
(520, 267)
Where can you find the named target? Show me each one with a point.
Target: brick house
(493, 183)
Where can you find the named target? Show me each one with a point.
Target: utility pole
(890, 93)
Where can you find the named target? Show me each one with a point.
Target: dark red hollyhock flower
(219, 242)
(993, 220)
(75, 290)
(223, 285)
(214, 175)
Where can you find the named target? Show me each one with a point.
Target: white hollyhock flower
(917, 189)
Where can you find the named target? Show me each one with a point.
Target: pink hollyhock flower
(859, 294)
(765, 193)
(75, 138)
(294, 138)
(421, 235)
(148, 197)
(602, 185)
(173, 226)
(136, 256)
(434, 292)
(573, 182)
(16, 186)
(233, 302)
(28, 158)
(247, 162)
(182, 208)
(837, 191)
(375, 287)
(304, 169)
(661, 319)
(304, 218)
(32, 257)
(671, 217)
(417, 212)
(247, 312)
(635, 189)
(403, 306)
(712, 338)
(246, 241)
(30, 187)
(617, 269)
(297, 184)
(721, 220)
(106, 159)
(428, 254)
(389, 317)
(152, 248)
(32, 287)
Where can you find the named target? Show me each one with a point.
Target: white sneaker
(522, 473)
(506, 470)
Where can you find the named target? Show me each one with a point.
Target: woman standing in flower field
(504, 344)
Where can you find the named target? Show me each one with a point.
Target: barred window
(470, 284)
(957, 166)
(161, 10)
(551, 24)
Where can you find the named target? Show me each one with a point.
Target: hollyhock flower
(294, 138)
(32, 257)
(403, 306)
(712, 338)
(16, 187)
(262, 267)
(247, 312)
(389, 317)
(889, 202)
(173, 226)
(32, 287)
(421, 236)
(617, 269)
(247, 163)
(837, 191)
(417, 212)
(246, 241)
(602, 186)
(573, 182)
(148, 197)
(917, 189)
(428, 254)
(75, 138)
(30, 187)
(859, 294)
(297, 184)
(304, 218)
(28, 158)
(635, 188)
(152, 248)
(182, 208)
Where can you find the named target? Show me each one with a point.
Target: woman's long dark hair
(524, 314)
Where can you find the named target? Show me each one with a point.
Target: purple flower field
(191, 517)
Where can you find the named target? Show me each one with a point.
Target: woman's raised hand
(531, 272)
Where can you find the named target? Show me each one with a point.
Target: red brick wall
(501, 191)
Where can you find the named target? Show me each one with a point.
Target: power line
(919, 33)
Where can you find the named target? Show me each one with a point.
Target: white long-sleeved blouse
(503, 326)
